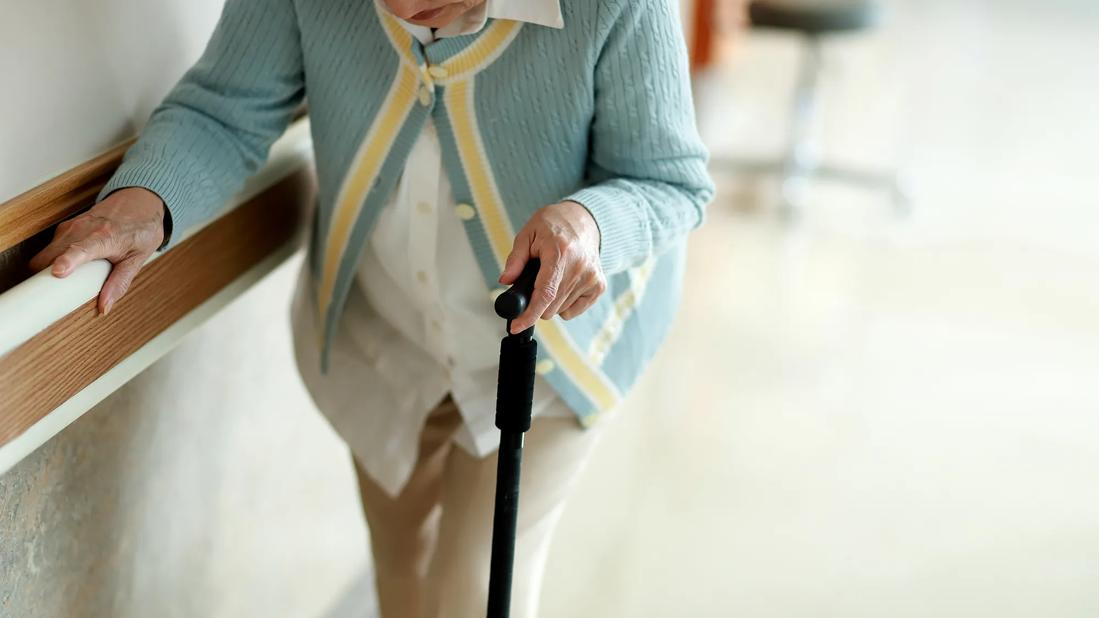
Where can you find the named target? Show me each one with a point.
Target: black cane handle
(514, 301)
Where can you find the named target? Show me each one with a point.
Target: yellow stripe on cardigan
(360, 179)
(482, 52)
(400, 38)
(459, 102)
(487, 48)
(471, 151)
(623, 307)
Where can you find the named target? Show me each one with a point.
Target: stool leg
(799, 163)
(890, 181)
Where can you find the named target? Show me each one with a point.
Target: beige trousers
(432, 543)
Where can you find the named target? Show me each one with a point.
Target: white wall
(81, 76)
(208, 486)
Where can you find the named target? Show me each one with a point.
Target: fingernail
(107, 306)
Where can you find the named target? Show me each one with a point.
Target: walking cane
(514, 395)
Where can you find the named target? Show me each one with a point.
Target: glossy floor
(860, 415)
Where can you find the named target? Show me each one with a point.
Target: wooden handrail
(61, 197)
(57, 199)
(58, 358)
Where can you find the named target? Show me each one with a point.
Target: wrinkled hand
(566, 239)
(125, 229)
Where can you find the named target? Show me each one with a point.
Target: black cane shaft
(504, 525)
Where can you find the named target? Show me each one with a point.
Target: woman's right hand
(125, 228)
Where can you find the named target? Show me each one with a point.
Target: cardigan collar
(540, 12)
(452, 59)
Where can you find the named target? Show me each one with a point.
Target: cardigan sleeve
(216, 126)
(648, 183)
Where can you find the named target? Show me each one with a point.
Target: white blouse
(428, 323)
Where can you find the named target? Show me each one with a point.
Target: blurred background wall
(207, 486)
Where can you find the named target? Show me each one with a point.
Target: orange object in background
(716, 26)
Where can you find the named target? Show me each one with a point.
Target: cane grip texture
(515, 391)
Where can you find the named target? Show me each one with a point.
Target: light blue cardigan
(599, 113)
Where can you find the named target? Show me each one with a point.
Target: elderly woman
(455, 140)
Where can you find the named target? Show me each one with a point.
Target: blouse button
(465, 212)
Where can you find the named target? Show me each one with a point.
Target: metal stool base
(799, 165)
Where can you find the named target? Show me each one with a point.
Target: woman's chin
(438, 18)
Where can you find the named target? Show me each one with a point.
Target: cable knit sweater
(599, 113)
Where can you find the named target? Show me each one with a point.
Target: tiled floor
(863, 416)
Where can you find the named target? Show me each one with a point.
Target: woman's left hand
(565, 238)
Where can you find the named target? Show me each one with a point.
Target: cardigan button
(425, 96)
(465, 212)
(544, 366)
(438, 72)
